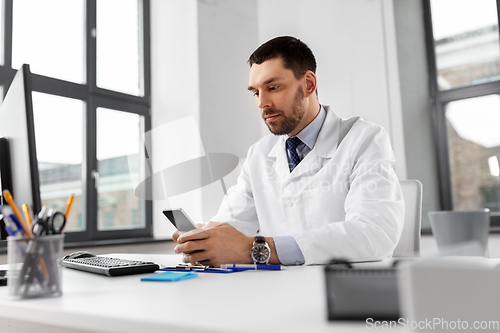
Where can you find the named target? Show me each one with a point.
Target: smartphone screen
(179, 219)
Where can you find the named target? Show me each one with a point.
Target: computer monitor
(17, 125)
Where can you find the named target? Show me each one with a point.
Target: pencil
(12, 204)
(27, 214)
(68, 205)
(45, 271)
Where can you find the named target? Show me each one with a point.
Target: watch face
(260, 253)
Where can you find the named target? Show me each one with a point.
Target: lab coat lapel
(280, 165)
(328, 137)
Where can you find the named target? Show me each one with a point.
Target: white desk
(292, 300)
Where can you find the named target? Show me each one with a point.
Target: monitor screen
(17, 125)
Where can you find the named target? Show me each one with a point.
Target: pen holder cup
(35, 266)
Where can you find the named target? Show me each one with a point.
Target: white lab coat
(343, 200)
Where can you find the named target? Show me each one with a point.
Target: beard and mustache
(290, 122)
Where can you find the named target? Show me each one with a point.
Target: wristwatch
(261, 252)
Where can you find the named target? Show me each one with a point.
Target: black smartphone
(179, 219)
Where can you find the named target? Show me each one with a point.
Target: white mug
(452, 228)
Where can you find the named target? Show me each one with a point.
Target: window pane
(119, 166)
(59, 145)
(466, 42)
(50, 36)
(118, 49)
(474, 152)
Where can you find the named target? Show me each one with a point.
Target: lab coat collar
(328, 137)
(325, 147)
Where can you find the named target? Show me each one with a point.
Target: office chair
(409, 244)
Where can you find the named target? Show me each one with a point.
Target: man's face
(279, 96)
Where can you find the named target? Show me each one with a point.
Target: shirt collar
(309, 134)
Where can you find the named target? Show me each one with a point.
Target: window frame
(93, 97)
(438, 100)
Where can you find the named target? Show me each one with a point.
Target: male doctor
(319, 187)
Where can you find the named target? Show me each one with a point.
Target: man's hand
(177, 233)
(214, 244)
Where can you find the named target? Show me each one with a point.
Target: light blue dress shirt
(287, 249)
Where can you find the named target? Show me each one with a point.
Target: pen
(12, 204)
(11, 227)
(68, 205)
(9, 217)
(253, 267)
(27, 214)
(194, 268)
(18, 224)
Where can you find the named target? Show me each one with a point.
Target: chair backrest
(409, 244)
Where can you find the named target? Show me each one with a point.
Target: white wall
(230, 122)
(354, 45)
(416, 102)
(199, 54)
(174, 79)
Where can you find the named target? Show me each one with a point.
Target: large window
(464, 60)
(91, 104)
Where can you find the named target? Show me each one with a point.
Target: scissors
(49, 222)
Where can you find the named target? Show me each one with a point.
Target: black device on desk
(3, 278)
(88, 262)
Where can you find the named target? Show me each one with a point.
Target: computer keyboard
(110, 266)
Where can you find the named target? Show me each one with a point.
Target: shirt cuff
(288, 251)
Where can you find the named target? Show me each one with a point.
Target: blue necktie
(292, 144)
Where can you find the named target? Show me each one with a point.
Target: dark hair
(296, 55)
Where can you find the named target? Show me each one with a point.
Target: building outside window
(464, 59)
